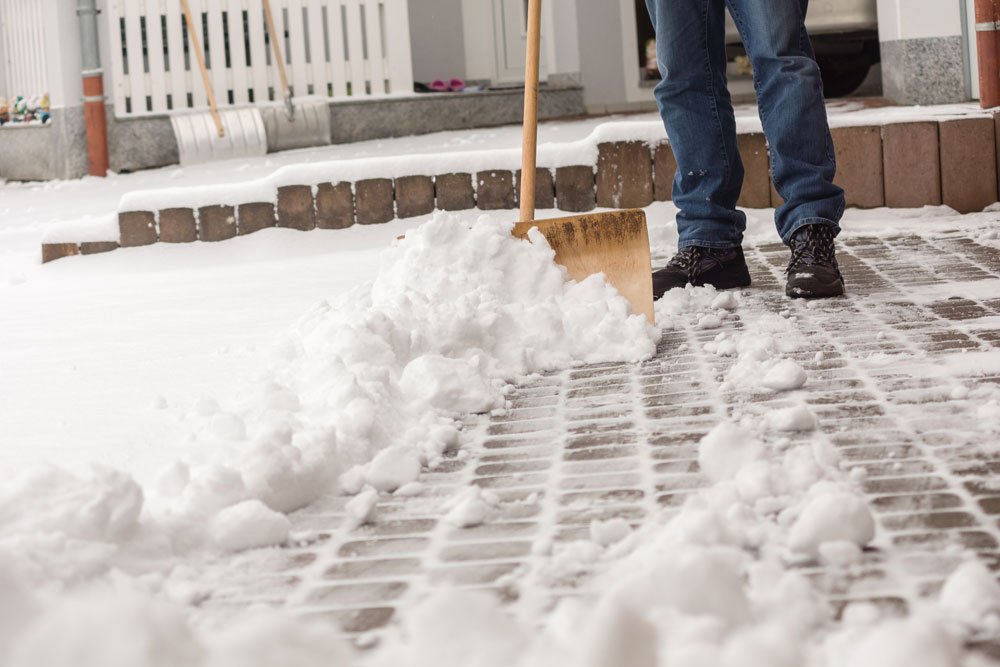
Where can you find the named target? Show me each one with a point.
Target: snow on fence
(332, 48)
(22, 48)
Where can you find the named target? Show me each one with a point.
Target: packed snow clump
(370, 384)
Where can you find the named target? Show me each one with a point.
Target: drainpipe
(988, 48)
(93, 89)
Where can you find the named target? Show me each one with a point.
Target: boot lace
(696, 260)
(813, 246)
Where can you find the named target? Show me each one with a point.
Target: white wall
(918, 19)
(63, 58)
(437, 40)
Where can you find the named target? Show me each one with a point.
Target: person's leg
(792, 111)
(698, 115)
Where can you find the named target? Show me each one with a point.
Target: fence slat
(335, 46)
(298, 74)
(194, 82)
(318, 66)
(397, 47)
(355, 48)
(373, 35)
(157, 68)
(217, 53)
(175, 51)
(133, 45)
(258, 52)
(118, 79)
(237, 51)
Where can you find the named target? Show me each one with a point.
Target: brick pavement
(619, 440)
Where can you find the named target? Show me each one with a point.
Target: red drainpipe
(988, 49)
(93, 90)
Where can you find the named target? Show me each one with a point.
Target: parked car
(845, 37)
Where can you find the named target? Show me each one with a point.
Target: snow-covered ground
(226, 385)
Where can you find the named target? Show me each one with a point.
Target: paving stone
(414, 196)
(485, 551)
(137, 228)
(624, 174)
(575, 189)
(296, 209)
(454, 192)
(254, 217)
(545, 189)
(374, 201)
(359, 594)
(968, 164)
(756, 191)
(664, 170)
(177, 225)
(494, 190)
(95, 247)
(335, 205)
(621, 441)
(911, 164)
(54, 251)
(216, 223)
(859, 165)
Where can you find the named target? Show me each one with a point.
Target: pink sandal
(438, 86)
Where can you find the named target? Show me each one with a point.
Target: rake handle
(529, 143)
(193, 34)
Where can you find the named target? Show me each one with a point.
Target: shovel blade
(615, 243)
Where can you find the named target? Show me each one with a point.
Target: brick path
(619, 440)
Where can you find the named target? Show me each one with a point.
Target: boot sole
(817, 291)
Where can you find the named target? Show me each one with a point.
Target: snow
(606, 533)
(393, 468)
(971, 597)
(795, 418)
(248, 525)
(784, 375)
(193, 367)
(833, 516)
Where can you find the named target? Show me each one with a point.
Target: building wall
(601, 67)
(437, 39)
(923, 51)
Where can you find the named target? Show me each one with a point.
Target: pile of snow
(371, 384)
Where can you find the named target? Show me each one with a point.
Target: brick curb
(901, 165)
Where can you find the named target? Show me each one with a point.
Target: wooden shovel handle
(196, 47)
(277, 47)
(529, 144)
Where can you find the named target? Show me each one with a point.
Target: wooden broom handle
(529, 144)
(196, 47)
(276, 47)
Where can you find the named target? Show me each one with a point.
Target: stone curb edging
(910, 164)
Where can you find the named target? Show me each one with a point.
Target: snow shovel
(233, 133)
(302, 126)
(615, 243)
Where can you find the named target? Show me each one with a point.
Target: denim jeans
(698, 114)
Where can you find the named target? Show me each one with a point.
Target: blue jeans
(698, 114)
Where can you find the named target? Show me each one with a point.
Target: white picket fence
(22, 48)
(332, 48)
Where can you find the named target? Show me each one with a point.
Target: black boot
(723, 268)
(813, 272)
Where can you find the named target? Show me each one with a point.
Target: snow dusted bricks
(910, 162)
